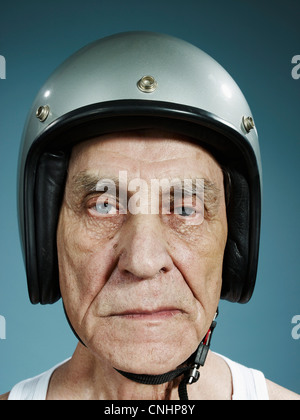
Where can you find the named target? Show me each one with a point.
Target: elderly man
(140, 267)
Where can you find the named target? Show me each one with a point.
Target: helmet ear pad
(43, 273)
(236, 256)
(48, 195)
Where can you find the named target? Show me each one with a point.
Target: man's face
(141, 288)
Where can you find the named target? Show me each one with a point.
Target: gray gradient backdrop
(255, 41)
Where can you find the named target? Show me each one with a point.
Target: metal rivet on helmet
(42, 112)
(147, 84)
(248, 123)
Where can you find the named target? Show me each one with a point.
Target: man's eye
(105, 208)
(185, 211)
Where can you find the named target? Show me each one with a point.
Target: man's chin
(148, 358)
(144, 345)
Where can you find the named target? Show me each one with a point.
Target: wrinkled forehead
(147, 154)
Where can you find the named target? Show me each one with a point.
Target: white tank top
(248, 384)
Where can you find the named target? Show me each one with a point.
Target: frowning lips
(157, 313)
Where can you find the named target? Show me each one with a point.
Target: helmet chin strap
(191, 371)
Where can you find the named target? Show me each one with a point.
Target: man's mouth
(156, 314)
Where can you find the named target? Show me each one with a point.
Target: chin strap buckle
(201, 355)
(194, 375)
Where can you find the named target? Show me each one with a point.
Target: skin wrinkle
(108, 265)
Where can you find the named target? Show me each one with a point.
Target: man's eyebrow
(85, 183)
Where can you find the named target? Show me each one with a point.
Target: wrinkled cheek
(73, 291)
(202, 271)
(213, 280)
(80, 278)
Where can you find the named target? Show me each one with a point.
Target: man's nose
(143, 250)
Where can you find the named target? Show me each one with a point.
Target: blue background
(255, 41)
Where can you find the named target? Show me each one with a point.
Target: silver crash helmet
(131, 81)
